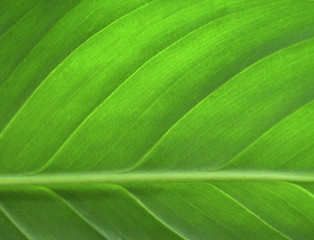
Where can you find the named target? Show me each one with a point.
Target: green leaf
(156, 119)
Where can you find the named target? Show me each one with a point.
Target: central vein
(115, 178)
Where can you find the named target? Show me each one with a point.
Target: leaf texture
(156, 119)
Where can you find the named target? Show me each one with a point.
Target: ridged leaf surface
(156, 119)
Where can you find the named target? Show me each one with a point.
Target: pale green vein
(76, 46)
(153, 177)
(303, 189)
(143, 159)
(190, 203)
(153, 215)
(165, 91)
(252, 213)
(123, 82)
(21, 19)
(288, 203)
(76, 212)
(36, 44)
(56, 67)
(111, 94)
(265, 133)
(123, 217)
(8, 216)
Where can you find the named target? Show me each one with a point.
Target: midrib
(123, 178)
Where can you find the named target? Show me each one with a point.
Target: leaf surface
(156, 119)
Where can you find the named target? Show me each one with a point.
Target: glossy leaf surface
(156, 119)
